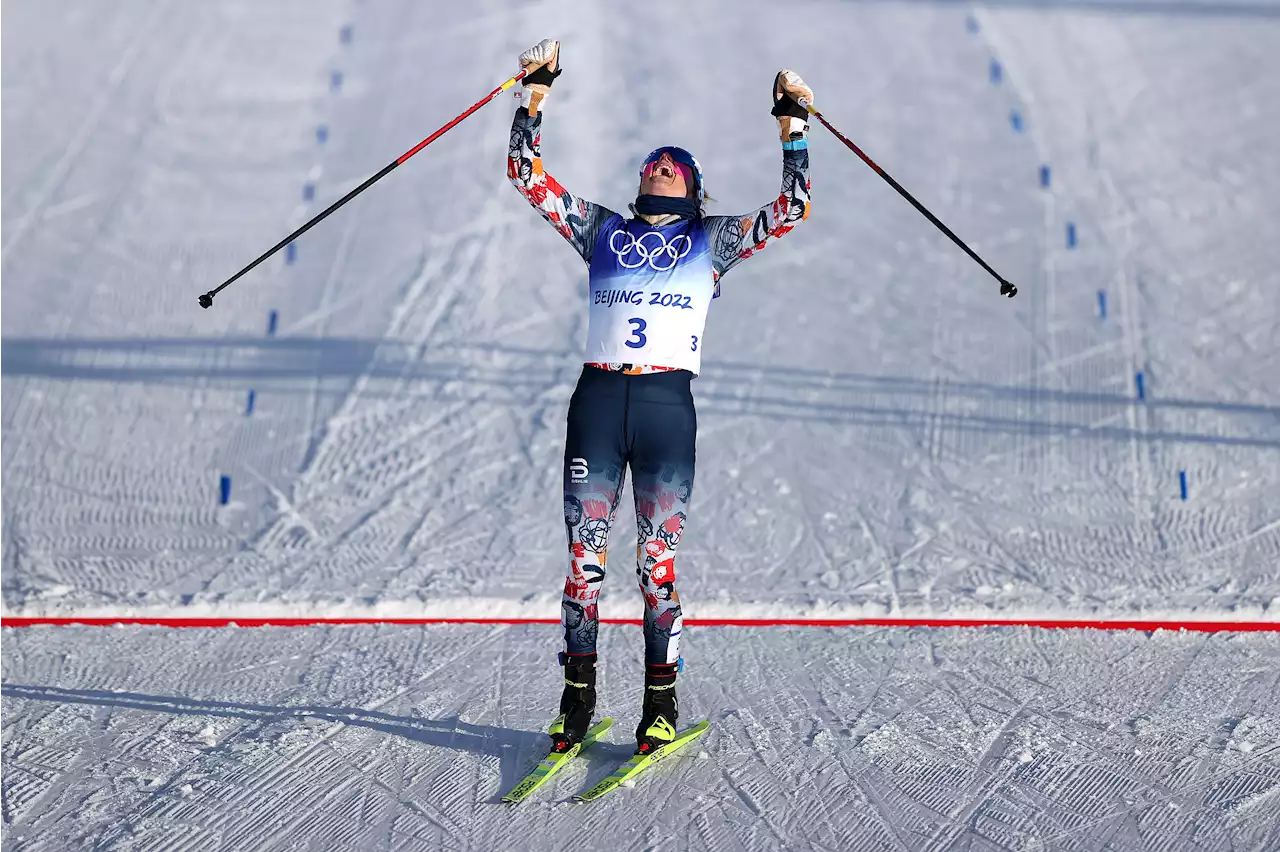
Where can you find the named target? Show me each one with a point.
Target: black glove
(783, 104)
(788, 88)
(541, 57)
(543, 77)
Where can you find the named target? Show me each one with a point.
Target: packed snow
(881, 433)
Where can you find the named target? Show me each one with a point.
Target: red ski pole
(1006, 289)
(206, 300)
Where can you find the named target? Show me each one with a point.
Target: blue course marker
(1044, 176)
(997, 73)
(224, 490)
(1142, 390)
(1015, 119)
(272, 319)
(1071, 235)
(1102, 304)
(322, 133)
(248, 408)
(1182, 483)
(290, 253)
(971, 23)
(335, 80)
(344, 34)
(308, 191)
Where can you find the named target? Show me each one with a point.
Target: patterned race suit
(638, 415)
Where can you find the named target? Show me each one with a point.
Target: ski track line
(1042, 297)
(748, 803)
(1256, 533)
(762, 751)
(324, 312)
(436, 818)
(63, 390)
(277, 530)
(881, 813)
(474, 244)
(1146, 516)
(837, 758)
(442, 299)
(84, 132)
(743, 722)
(159, 798)
(888, 573)
(406, 479)
(997, 782)
(284, 508)
(835, 721)
(774, 710)
(1088, 352)
(92, 754)
(1147, 805)
(318, 435)
(1131, 291)
(921, 810)
(959, 818)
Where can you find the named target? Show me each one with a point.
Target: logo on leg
(578, 471)
(671, 530)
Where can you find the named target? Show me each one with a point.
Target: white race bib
(650, 291)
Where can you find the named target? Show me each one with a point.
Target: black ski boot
(658, 717)
(577, 702)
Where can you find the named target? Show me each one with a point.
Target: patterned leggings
(646, 422)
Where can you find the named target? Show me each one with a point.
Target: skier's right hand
(542, 66)
(788, 91)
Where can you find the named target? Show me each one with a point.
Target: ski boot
(658, 717)
(577, 702)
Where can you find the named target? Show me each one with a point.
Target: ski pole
(206, 300)
(1006, 289)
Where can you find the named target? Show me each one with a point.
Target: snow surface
(881, 433)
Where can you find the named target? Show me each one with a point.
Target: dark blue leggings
(646, 422)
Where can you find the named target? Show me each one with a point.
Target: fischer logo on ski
(553, 763)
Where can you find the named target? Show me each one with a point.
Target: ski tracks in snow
(835, 739)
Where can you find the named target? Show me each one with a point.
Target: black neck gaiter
(656, 205)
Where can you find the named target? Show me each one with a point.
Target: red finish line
(1045, 623)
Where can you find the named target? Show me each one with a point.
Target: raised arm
(576, 219)
(733, 239)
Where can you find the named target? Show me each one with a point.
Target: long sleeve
(576, 219)
(733, 239)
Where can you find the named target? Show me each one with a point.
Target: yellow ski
(640, 762)
(553, 763)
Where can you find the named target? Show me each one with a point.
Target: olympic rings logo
(660, 255)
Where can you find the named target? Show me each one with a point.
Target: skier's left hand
(788, 89)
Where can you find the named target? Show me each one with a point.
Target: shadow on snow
(517, 750)
(499, 374)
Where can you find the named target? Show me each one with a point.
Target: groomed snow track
(912, 497)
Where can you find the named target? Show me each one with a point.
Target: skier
(652, 277)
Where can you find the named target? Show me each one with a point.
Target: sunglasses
(685, 170)
(683, 159)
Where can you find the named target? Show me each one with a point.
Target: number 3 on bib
(638, 333)
(693, 347)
